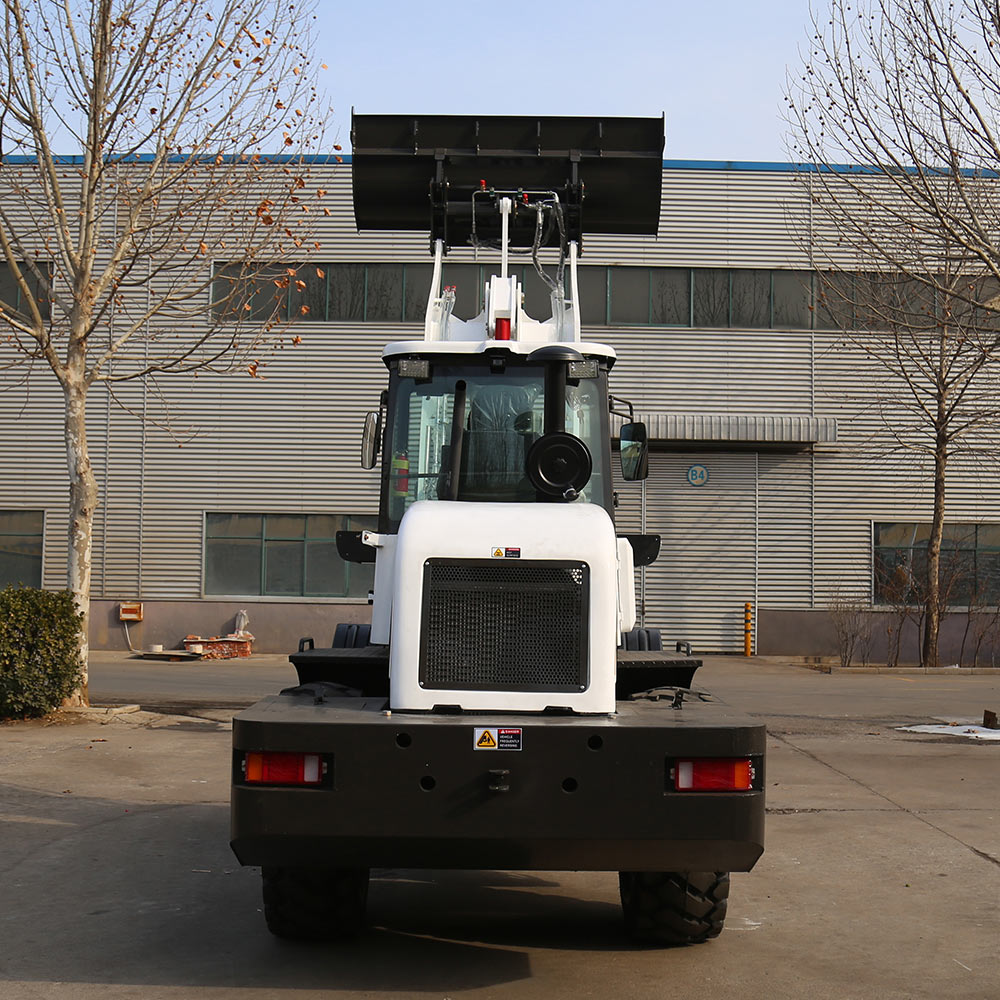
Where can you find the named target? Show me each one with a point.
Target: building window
(10, 290)
(345, 292)
(251, 294)
(593, 284)
(700, 297)
(670, 296)
(970, 563)
(280, 292)
(283, 555)
(750, 299)
(792, 306)
(21, 533)
(737, 298)
(630, 296)
(384, 292)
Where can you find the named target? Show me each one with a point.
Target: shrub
(39, 650)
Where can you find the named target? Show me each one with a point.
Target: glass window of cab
(503, 415)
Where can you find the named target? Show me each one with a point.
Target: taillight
(713, 775)
(270, 768)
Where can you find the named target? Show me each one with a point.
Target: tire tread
(305, 904)
(674, 908)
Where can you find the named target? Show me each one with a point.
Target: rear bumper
(583, 793)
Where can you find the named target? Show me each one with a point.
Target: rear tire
(674, 908)
(315, 904)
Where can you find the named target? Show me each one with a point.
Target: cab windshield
(502, 416)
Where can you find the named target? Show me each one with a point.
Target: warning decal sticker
(498, 553)
(508, 739)
(496, 739)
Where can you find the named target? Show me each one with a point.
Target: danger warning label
(496, 739)
(508, 739)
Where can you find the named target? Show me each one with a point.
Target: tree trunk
(932, 603)
(82, 505)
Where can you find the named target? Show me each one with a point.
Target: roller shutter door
(696, 589)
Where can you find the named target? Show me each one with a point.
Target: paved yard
(881, 877)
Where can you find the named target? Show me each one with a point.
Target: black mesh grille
(504, 625)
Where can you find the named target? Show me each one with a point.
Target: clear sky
(717, 69)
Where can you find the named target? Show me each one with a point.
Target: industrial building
(772, 482)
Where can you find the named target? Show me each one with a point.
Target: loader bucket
(420, 173)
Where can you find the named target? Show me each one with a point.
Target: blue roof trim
(814, 168)
(764, 166)
(752, 166)
(761, 166)
(76, 160)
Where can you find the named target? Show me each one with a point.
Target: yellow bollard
(748, 629)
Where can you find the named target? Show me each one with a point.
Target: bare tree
(853, 623)
(173, 112)
(897, 589)
(907, 241)
(985, 627)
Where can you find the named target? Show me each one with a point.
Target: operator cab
(473, 427)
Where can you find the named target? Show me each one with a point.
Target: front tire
(315, 904)
(674, 908)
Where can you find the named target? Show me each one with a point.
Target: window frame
(411, 291)
(977, 550)
(398, 387)
(44, 304)
(263, 538)
(40, 511)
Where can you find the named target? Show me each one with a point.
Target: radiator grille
(505, 626)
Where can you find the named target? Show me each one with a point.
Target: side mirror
(370, 438)
(634, 452)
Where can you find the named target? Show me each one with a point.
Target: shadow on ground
(104, 891)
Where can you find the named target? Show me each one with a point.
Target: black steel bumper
(583, 793)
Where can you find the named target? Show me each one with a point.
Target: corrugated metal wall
(33, 461)
(781, 529)
(716, 218)
(868, 476)
(712, 371)
(744, 535)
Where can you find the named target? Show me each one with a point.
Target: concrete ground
(880, 879)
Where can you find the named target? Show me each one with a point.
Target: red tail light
(267, 768)
(713, 775)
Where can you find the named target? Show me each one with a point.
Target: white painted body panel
(385, 569)
(626, 586)
(450, 530)
(423, 348)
